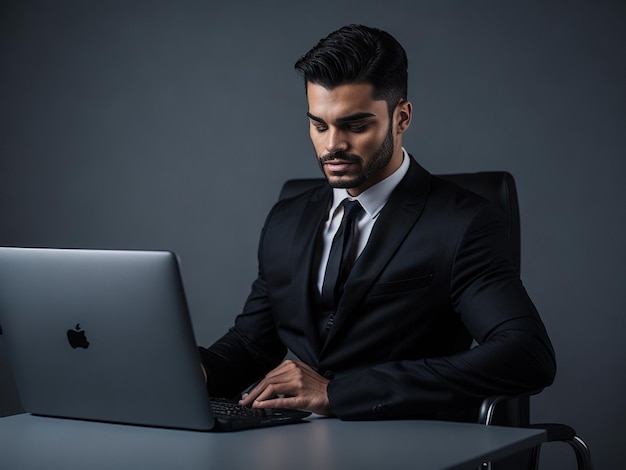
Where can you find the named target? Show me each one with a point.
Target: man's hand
(292, 384)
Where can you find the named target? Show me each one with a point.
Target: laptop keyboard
(229, 408)
(231, 416)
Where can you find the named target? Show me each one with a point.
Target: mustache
(343, 156)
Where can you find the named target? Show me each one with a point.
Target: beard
(379, 160)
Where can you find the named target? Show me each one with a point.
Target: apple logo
(77, 338)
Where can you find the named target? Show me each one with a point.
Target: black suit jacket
(436, 273)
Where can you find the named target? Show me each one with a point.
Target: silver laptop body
(106, 335)
(102, 335)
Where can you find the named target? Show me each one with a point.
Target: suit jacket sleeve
(249, 349)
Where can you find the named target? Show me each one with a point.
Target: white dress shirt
(372, 200)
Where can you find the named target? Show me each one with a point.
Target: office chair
(498, 187)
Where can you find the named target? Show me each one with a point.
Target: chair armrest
(488, 408)
(508, 410)
(555, 432)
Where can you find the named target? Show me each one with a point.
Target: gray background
(172, 125)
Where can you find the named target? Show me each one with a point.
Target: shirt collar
(373, 199)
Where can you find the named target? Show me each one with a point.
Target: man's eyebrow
(344, 119)
(315, 118)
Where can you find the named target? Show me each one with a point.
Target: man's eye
(320, 128)
(357, 129)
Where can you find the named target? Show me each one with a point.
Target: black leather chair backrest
(495, 186)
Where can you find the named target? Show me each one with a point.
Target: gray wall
(171, 125)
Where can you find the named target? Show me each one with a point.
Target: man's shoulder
(300, 197)
(447, 186)
(441, 190)
(456, 204)
(300, 193)
(296, 187)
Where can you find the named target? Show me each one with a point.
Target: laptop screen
(102, 335)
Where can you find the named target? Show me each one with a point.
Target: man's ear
(404, 112)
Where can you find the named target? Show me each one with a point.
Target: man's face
(353, 136)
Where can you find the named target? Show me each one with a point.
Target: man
(433, 269)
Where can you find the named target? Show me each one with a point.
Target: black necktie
(342, 255)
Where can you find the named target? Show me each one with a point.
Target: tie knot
(351, 208)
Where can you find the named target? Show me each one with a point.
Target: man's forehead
(343, 100)
(365, 89)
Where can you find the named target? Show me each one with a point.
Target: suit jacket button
(329, 374)
(378, 408)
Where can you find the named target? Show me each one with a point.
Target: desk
(30, 442)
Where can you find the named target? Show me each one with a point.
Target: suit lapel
(401, 212)
(302, 263)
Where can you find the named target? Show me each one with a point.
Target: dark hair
(358, 54)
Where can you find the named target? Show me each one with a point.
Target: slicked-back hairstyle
(358, 54)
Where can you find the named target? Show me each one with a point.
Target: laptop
(105, 335)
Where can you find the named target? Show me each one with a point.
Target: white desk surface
(31, 442)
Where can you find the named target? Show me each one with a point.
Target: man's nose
(336, 141)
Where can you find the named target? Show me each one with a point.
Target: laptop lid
(102, 335)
